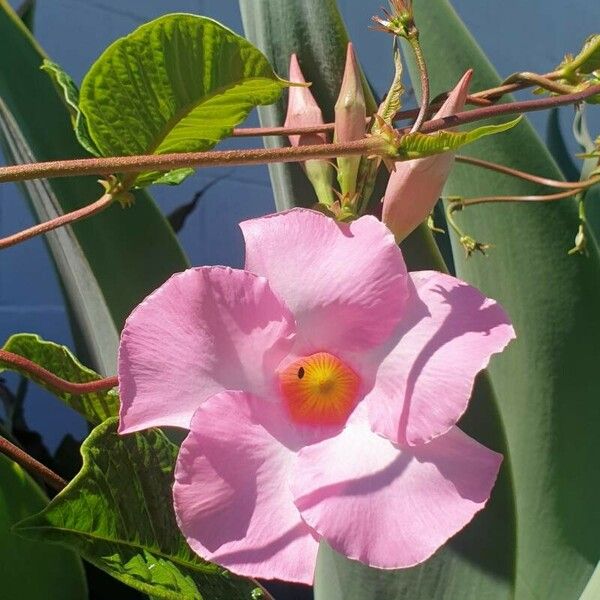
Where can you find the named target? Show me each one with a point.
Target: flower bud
(350, 121)
(303, 111)
(416, 185)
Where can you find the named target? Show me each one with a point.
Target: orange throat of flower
(319, 390)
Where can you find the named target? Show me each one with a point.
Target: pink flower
(321, 387)
(415, 185)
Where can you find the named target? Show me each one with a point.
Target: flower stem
(372, 145)
(567, 185)
(465, 202)
(32, 465)
(77, 215)
(22, 364)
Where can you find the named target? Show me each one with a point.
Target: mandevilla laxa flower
(321, 387)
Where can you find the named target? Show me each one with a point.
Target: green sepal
(420, 145)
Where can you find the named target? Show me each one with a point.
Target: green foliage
(95, 407)
(587, 61)
(117, 513)
(592, 589)
(180, 83)
(32, 570)
(546, 381)
(70, 93)
(419, 145)
(106, 264)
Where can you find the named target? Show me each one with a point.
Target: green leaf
(419, 145)
(95, 407)
(180, 83)
(117, 513)
(547, 380)
(107, 264)
(32, 570)
(588, 59)
(70, 93)
(314, 29)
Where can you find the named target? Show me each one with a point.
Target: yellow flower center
(319, 389)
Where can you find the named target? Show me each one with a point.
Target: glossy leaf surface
(117, 513)
(180, 83)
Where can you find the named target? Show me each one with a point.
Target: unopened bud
(416, 185)
(303, 111)
(580, 242)
(350, 121)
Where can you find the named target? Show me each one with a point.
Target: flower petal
(205, 330)
(392, 507)
(448, 334)
(346, 284)
(232, 495)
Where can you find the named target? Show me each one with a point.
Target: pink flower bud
(303, 111)
(350, 120)
(415, 186)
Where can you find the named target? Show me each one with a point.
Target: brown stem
(541, 81)
(523, 106)
(424, 78)
(53, 381)
(492, 199)
(31, 465)
(165, 162)
(77, 215)
(508, 88)
(567, 185)
(482, 98)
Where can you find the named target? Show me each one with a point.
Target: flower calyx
(399, 22)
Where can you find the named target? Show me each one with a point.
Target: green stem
(424, 77)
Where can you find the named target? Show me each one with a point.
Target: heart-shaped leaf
(180, 83)
(118, 514)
